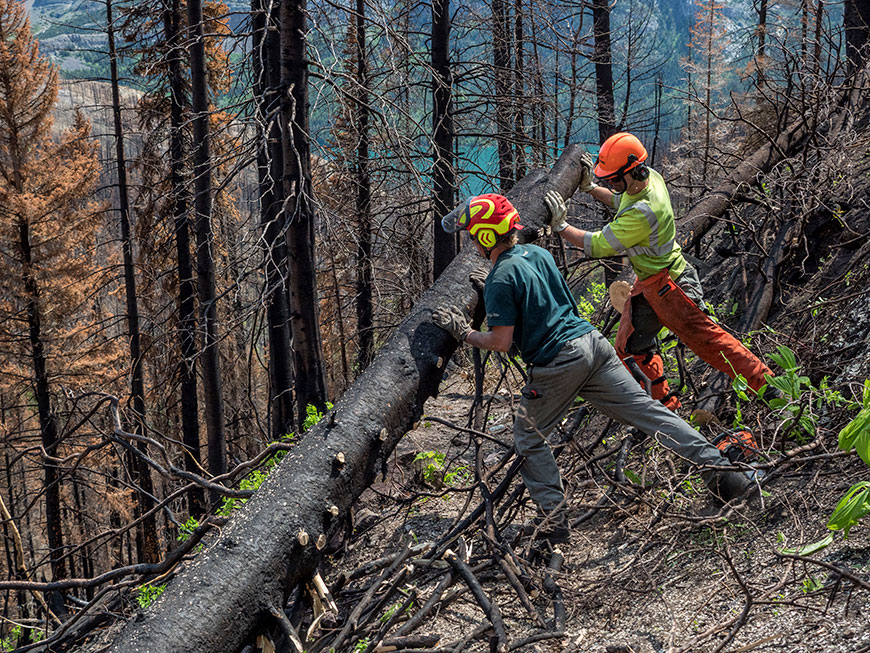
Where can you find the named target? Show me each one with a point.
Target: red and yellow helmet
(619, 154)
(487, 217)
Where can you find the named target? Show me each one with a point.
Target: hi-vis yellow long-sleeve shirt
(644, 229)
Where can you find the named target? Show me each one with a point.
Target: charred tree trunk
(602, 59)
(299, 209)
(603, 69)
(47, 420)
(519, 93)
(760, 52)
(270, 166)
(856, 24)
(205, 268)
(364, 272)
(443, 132)
(180, 203)
(501, 58)
(260, 557)
(146, 534)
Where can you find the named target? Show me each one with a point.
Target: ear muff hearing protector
(640, 172)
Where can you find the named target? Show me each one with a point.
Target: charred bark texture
(180, 203)
(273, 221)
(148, 548)
(231, 589)
(603, 69)
(299, 208)
(443, 133)
(206, 280)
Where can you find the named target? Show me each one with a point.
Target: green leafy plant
(361, 645)
(800, 398)
(147, 594)
(456, 476)
(255, 479)
(812, 584)
(856, 502)
(313, 416)
(391, 611)
(595, 294)
(187, 528)
(851, 508)
(856, 434)
(809, 549)
(432, 465)
(10, 643)
(435, 473)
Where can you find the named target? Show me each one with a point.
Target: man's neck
(497, 251)
(634, 186)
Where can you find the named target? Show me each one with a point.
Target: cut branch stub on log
(216, 603)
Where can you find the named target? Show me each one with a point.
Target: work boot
(553, 528)
(727, 486)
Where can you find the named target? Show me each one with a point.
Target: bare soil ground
(658, 566)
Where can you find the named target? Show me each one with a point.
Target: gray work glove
(478, 279)
(558, 210)
(587, 179)
(452, 320)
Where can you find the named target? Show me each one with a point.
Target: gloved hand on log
(452, 320)
(558, 210)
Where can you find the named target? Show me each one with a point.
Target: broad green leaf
(631, 476)
(740, 385)
(809, 549)
(783, 384)
(785, 358)
(856, 435)
(851, 508)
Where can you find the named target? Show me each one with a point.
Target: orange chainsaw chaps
(650, 364)
(698, 332)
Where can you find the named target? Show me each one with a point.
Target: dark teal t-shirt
(526, 291)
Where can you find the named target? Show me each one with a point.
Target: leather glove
(478, 279)
(587, 179)
(452, 320)
(558, 210)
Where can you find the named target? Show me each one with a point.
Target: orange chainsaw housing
(738, 445)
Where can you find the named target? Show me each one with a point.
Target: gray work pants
(588, 366)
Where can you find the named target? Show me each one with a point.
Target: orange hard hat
(486, 217)
(619, 154)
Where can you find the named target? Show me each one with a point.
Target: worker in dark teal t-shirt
(526, 291)
(529, 303)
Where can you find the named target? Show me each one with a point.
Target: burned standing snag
(217, 603)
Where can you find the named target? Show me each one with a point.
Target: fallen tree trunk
(703, 215)
(241, 581)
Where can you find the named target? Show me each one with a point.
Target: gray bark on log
(231, 589)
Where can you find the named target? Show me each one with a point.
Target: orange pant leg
(703, 336)
(650, 363)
